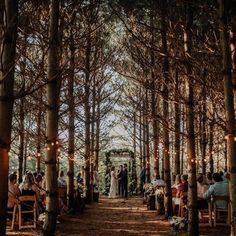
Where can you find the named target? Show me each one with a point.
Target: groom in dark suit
(120, 183)
(125, 181)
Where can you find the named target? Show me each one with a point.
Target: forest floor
(118, 217)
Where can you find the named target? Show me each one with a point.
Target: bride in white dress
(113, 187)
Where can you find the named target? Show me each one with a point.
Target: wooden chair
(62, 193)
(207, 213)
(27, 200)
(13, 213)
(217, 212)
(183, 203)
(174, 191)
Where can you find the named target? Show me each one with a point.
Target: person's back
(219, 188)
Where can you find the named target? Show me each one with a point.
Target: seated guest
(157, 181)
(183, 187)
(41, 191)
(13, 191)
(176, 199)
(227, 177)
(209, 178)
(219, 188)
(28, 188)
(177, 181)
(202, 187)
(61, 180)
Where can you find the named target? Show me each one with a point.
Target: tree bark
(8, 52)
(71, 143)
(229, 105)
(177, 128)
(211, 133)
(193, 228)
(87, 119)
(203, 127)
(39, 123)
(53, 91)
(165, 68)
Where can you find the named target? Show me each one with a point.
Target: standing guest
(125, 181)
(80, 179)
(120, 183)
(13, 191)
(95, 178)
(61, 179)
(219, 188)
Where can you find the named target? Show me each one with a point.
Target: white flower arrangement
(148, 188)
(177, 223)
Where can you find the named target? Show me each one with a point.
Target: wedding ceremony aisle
(116, 217)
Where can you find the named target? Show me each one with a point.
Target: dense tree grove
(72, 70)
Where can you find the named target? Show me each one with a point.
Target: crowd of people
(35, 184)
(208, 187)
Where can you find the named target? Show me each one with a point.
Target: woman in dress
(113, 187)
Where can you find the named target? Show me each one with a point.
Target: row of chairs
(213, 213)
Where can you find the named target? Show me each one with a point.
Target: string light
(52, 143)
(38, 154)
(9, 154)
(48, 148)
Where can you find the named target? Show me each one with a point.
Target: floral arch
(118, 157)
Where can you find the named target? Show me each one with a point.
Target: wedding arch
(117, 157)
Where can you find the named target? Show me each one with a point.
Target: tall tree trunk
(71, 143)
(144, 136)
(154, 99)
(22, 140)
(93, 117)
(53, 92)
(193, 228)
(87, 119)
(97, 135)
(140, 139)
(8, 52)
(211, 133)
(146, 140)
(22, 116)
(165, 67)
(203, 127)
(177, 128)
(39, 123)
(229, 105)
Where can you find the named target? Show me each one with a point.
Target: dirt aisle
(114, 217)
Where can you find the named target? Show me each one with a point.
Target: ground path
(116, 217)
